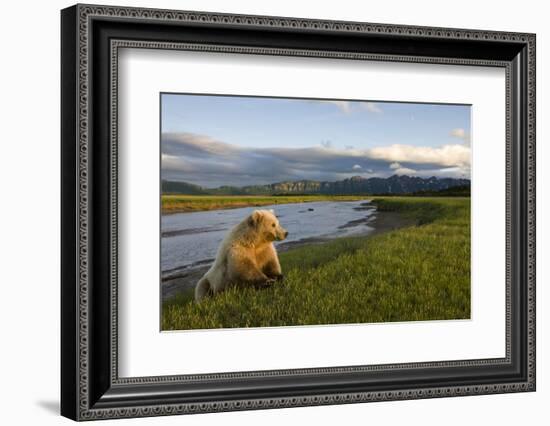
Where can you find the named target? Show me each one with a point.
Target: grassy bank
(416, 273)
(192, 203)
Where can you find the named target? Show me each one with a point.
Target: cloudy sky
(230, 140)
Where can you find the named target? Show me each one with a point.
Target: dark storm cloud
(204, 161)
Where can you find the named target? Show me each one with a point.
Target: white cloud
(183, 143)
(448, 172)
(347, 107)
(404, 171)
(454, 172)
(458, 133)
(395, 166)
(461, 134)
(173, 162)
(446, 155)
(371, 107)
(343, 106)
(356, 167)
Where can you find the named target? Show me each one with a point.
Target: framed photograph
(263, 212)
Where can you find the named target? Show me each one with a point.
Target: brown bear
(246, 256)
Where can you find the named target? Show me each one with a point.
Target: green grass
(192, 203)
(412, 274)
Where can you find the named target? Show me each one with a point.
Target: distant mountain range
(355, 185)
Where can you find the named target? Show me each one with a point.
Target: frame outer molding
(76, 402)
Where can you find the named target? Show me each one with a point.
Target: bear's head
(266, 224)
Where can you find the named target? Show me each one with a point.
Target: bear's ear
(255, 218)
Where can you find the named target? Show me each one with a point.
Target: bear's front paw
(269, 282)
(279, 277)
(265, 284)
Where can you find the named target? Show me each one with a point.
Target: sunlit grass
(192, 203)
(412, 274)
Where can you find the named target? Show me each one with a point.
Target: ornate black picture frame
(91, 36)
